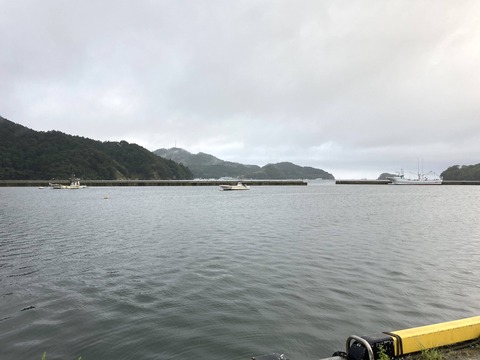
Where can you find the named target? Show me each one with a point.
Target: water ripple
(181, 273)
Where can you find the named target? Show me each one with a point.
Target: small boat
(239, 186)
(74, 184)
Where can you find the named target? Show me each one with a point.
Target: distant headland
(26, 154)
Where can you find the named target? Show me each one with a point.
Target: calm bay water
(196, 273)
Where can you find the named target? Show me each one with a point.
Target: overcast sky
(355, 88)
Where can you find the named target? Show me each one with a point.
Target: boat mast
(418, 168)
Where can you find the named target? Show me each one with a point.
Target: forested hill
(26, 154)
(208, 166)
(464, 172)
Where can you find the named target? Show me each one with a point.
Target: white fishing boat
(74, 184)
(421, 179)
(239, 186)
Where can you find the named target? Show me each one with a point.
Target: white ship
(422, 179)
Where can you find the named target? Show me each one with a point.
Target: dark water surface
(195, 273)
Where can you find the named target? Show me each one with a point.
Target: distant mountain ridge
(26, 154)
(207, 166)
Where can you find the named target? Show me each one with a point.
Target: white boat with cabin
(74, 184)
(422, 179)
(239, 186)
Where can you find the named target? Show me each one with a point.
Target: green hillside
(27, 154)
(464, 172)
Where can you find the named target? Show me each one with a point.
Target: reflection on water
(195, 273)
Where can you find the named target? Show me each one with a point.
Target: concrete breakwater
(362, 182)
(386, 182)
(45, 183)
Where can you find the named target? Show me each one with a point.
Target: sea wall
(44, 183)
(386, 182)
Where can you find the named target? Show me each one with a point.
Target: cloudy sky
(356, 88)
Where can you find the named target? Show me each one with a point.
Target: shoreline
(94, 183)
(469, 353)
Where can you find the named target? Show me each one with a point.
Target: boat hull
(73, 187)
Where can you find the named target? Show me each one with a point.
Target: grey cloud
(333, 84)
